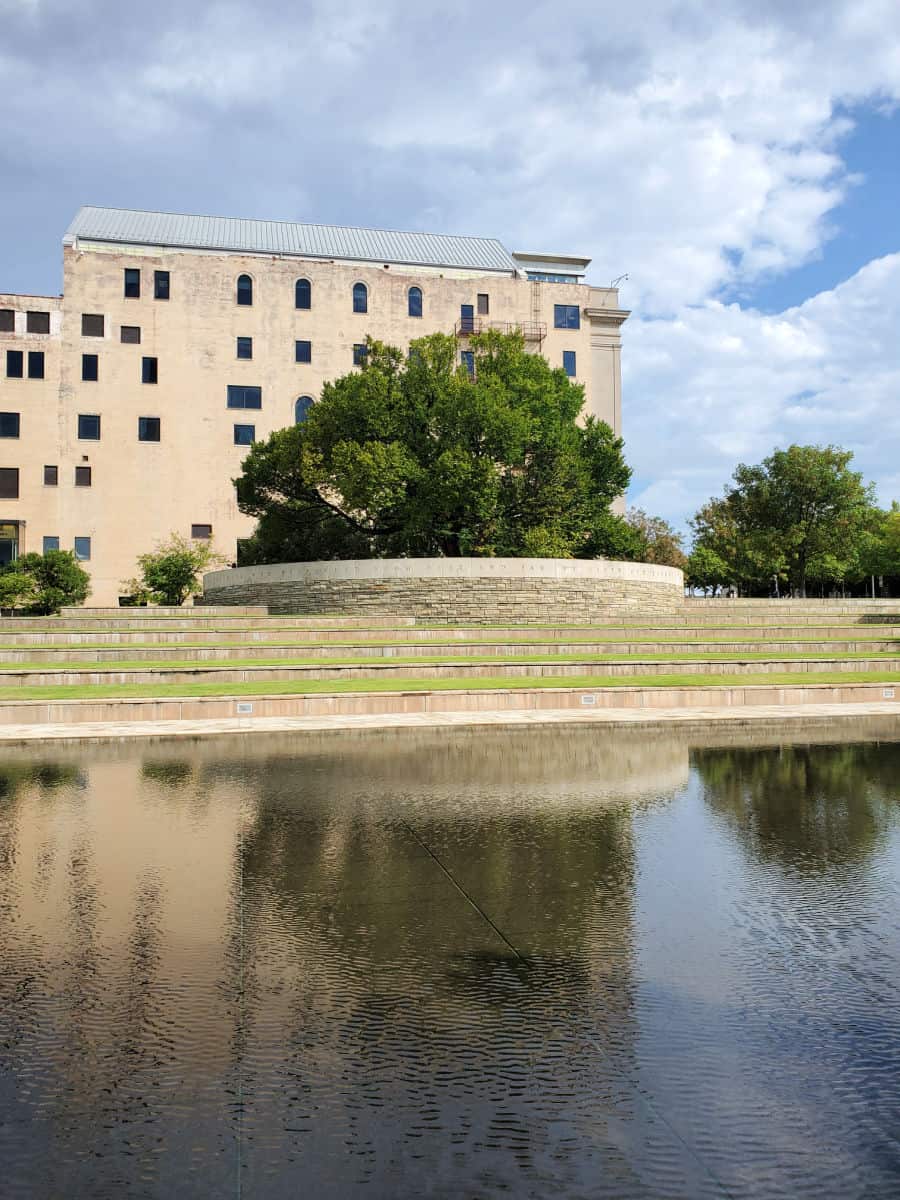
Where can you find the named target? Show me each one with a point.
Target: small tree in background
(44, 583)
(661, 544)
(171, 573)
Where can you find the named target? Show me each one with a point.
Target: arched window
(360, 297)
(302, 294)
(301, 409)
(244, 289)
(415, 302)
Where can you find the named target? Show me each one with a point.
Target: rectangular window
(9, 425)
(83, 549)
(148, 429)
(132, 282)
(484, 304)
(92, 324)
(130, 334)
(468, 361)
(149, 370)
(360, 353)
(37, 322)
(89, 427)
(9, 483)
(245, 347)
(82, 476)
(7, 320)
(51, 476)
(244, 397)
(201, 531)
(160, 285)
(50, 543)
(244, 435)
(90, 365)
(15, 364)
(35, 364)
(303, 352)
(569, 363)
(566, 316)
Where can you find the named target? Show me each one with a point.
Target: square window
(149, 370)
(160, 285)
(90, 365)
(15, 364)
(89, 427)
(83, 549)
(9, 425)
(92, 324)
(245, 347)
(148, 429)
(50, 543)
(7, 320)
(130, 334)
(9, 483)
(82, 476)
(302, 352)
(566, 316)
(37, 322)
(569, 363)
(360, 354)
(51, 476)
(244, 397)
(244, 435)
(35, 364)
(201, 531)
(484, 304)
(132, 282)
(468, 361)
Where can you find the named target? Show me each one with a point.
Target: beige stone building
(126, 404)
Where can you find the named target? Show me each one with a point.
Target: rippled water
(554, 962)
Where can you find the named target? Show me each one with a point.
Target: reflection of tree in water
(810, 807)
(48, 777)
(170, 773)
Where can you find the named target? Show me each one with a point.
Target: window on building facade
(302, 352)
(132, 283)
(131, 334)
(35, 364)
(244, 435)
(360, 354)
(160, 285)
(82, 476)
(201, 531)
(245, 347)
(49, 543)
(7, 320)
(360, 298)
(51, 476)
(92, 324)
(149, 370)
(83, 549)
(414, 305)
(466, 318)
(15, 364)
(484, 304)
(244, 290)
(37, 322)
(9, 483)
(90, 368)
(566, 316)
(89, 427)
(148, 429)
(467, 357)
(9, 425)
(244, 397)
(302, 294)
(302, 405)
(569, 363)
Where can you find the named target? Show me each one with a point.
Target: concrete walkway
(742, 714)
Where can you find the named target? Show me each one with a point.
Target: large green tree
(420, 456)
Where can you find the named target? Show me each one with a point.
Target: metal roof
(237, 235)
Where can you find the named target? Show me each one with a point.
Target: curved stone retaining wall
(454, 589)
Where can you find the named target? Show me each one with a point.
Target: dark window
(566, 316)
(132, 282)
(15, 364)
(414, 302)
(148, 429)
(37, 322)
(244, 289)
(569, 363)
(360, 298)
(303, 352)
(468, 361)
(484, 304)
(201, 531)
(360, 354)
(245, 347)
(9, 425)
(50, 543)
(302, 294)
(82, 476)
(149, 370)
(90, 365)
(35, 364)
(131, 334)
(92, 324)
(83, 549)
(51, 476)
(9, 483)
(301, 409)
(466, 318)
(89, 427)
(160, 285)
(244, 435)
(244, 397)
(7, 320)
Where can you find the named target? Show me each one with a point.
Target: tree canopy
(44, 583)
(171, 572)
(421, 457)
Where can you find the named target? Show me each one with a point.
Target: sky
(739, 161)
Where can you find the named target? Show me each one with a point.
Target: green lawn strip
(459, 683)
